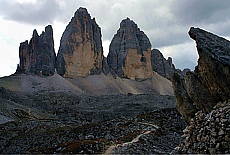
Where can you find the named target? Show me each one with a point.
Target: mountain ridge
(81, 52)
(84, 105)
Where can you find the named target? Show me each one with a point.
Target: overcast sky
(166, 23)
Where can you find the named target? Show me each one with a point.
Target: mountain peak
(80, 52)
(38, 57)
(35, 33)
(81, 12)
(130, 52)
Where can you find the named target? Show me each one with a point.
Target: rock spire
(80, 52)
(38, 56)
(162, 66)
(130, 52)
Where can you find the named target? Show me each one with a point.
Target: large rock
(130, 52)
(214, 62)
(38, 56)
(210, 81)
(80, 53)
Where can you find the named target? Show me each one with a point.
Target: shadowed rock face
(184, 103)
(210, 81)
(130, 52)
(80, 53)
(162, 66)
(38, 57)
(214, 62)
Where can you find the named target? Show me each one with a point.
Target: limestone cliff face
(80, 53)
(130, 52)
(38, 56)
(24, 57)
(210, 82)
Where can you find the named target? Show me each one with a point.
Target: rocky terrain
(52, 136)
(203, 96)
(60, 122)
(91, 85)
(208, 133)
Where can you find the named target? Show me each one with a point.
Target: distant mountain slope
(92, 85)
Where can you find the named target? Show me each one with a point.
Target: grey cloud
(211, 15)
(184, 55)
(166, 22)
(39, 13)
(201, 11)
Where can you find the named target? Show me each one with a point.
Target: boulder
(210, 82)
(80, 53)
(38, 56)
(130, 52)
(214, 62)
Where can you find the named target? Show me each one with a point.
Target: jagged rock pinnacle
(38, 56)
(130, 52)
(80, 52)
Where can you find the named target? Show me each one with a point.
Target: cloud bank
(166, 23)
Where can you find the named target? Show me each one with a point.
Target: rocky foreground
(52, 136)
(61, 123)
(208, 133)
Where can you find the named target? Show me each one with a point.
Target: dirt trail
(112, 147)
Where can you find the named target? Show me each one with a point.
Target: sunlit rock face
(38, 56)
(80, 53)
(130, 52)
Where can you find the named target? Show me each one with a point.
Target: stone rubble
(208, 133)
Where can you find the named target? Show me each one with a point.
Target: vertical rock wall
(130, 52)
(38, 57)
(80, 52)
